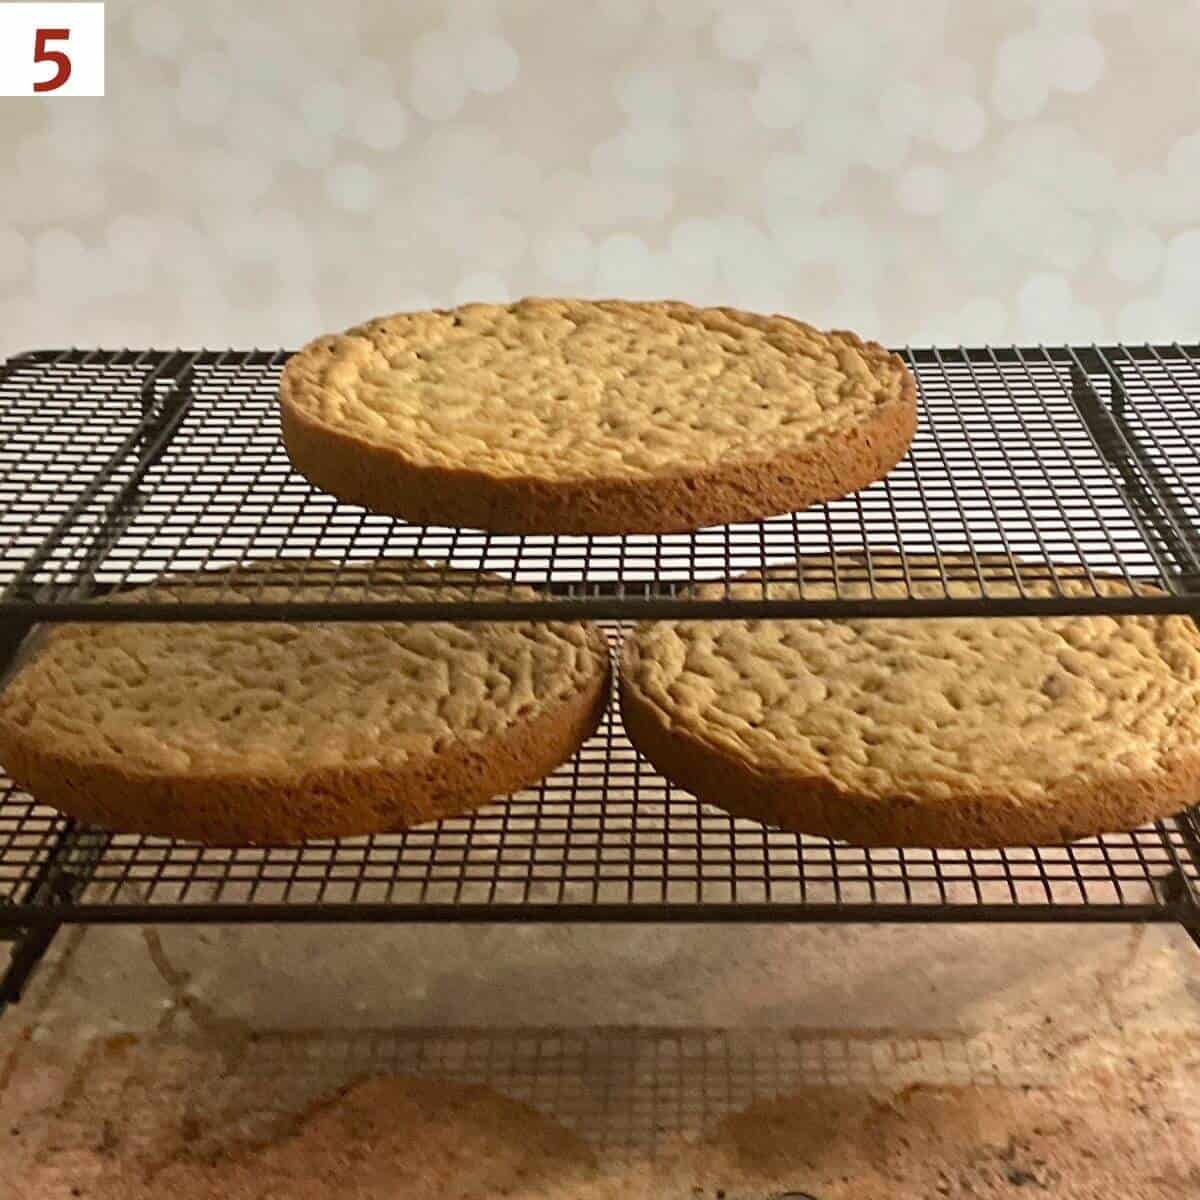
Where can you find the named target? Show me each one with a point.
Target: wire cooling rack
(118, 467)
(1076, 468)
(631, 1092)
(603, 838)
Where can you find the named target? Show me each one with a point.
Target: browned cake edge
(816, 805)
(385, 481)
(240, 810)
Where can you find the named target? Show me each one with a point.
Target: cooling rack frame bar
(602, 913)
(615, 608)
(1096, 354)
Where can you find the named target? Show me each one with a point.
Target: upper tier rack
(119, 466)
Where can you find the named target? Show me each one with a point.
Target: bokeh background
(922, 171)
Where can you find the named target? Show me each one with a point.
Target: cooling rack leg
(28, 949)
(1170, 536)
(1176, 887)
(162, 414)
(61, 878)
(1163, 520)
(12, 634)
(176, 372)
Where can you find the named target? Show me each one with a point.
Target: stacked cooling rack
(116, 467)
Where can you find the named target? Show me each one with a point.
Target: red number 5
(62, 64)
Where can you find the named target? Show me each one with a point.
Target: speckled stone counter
(141, 1048)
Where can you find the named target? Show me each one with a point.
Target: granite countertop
(839, 1061)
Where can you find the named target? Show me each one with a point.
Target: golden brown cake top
(931, 708)
(273, 698)
(572, 389)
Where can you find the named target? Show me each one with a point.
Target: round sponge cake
(924, 732)
(604, 417)
(237, 733)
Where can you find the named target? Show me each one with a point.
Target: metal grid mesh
(604, 836)
(1157, 397)
(115, 468)
(630, 1091)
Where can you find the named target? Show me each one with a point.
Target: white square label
(51, 49)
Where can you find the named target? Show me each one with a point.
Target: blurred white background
(920, 171)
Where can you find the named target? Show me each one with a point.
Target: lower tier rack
(603, 839)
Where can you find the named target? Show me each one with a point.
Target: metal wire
(116, 468)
